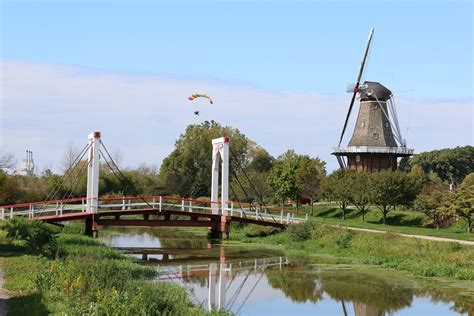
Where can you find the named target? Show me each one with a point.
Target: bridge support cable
(259, 196)
(67, 175)
(237, 199)
(123, 179)
(251, 291)
(77, 179)
(237, 291)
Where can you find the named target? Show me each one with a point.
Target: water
(249, 280)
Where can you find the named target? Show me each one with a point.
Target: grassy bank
(398, 221)
(86, 278)
(426, 258)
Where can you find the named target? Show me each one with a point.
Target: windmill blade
(356, 87)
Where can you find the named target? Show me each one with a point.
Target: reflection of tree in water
(194, 243)
(298, 286)
(370, 294)
(463, 302)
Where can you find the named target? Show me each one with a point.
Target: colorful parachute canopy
(195, 96)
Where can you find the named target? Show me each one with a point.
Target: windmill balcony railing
(58, 208)
(374, 150)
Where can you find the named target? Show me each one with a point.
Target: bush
(300, 232)
(252, 230)
(344, 238)
(39, 237)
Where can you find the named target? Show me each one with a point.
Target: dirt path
(4, 295)
(464, 242)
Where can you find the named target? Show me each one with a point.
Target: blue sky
(290, 50)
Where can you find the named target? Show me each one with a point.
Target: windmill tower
(377, 141)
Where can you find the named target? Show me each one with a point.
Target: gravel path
(4, 296)
(464, 242)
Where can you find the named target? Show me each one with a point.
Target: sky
(277, 71)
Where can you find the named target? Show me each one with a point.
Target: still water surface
(250, 280)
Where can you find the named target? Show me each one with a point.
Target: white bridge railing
(60, 208)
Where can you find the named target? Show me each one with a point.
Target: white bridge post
(220, 159)
(93, 173)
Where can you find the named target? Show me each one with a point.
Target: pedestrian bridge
(216, 213)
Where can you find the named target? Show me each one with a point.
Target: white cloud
(45, 107)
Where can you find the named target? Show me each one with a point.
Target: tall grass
(89, 278)
(420, 257)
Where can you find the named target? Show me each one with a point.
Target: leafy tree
(259, 160)
(187, 170)
(391, 188)
(310, 175)
(360, 194)
(338, 187)
(463, 202)
(281, 178)
(434, 202)
(449, 164)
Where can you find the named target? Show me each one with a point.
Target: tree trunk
(363, 215)
(312, 208)
(384, 216)
(297, 205)
(343, 211)
(469, 225)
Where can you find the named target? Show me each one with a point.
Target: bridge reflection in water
(240, 285)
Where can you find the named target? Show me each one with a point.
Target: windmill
(377, 141)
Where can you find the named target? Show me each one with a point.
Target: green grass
(87, 278)
(398, 221)
(420, 257)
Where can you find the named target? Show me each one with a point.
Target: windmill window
(357, 158)
(375, 107)
(376, 135)
(386, 124)
(363, 124)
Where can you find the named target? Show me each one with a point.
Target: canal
(254, 280)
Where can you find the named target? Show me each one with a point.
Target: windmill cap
(382, 93)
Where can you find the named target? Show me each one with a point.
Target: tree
(187, 170)
(310, 175)
(7, 161)
(281, 178)
(360, 194)
(69, 157)
(435, 203)
(259, 160)
(449, 164)
(338, 187)
(463, 202)
(391, 188)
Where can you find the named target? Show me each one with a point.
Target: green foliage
(252, 230)
(463, 204)
(449, 164)
(281, 178)
(434, 201)
(299, 232)
(339, 187)
(388, 250)
(187, 170)
(360, 194)
(39, 237)
(90, 278)
(391, 188)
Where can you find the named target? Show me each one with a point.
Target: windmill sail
(356, 87)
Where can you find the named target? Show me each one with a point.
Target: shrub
(39, 237)
(252, 230)
(300, 232)
(344, 238)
